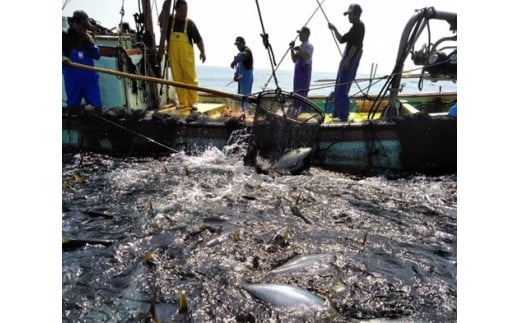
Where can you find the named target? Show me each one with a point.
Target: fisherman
(243, 65)
(302, 59)
(124, 28)
(349, 62)
(78, 45)
(184, 33)
(453, 110)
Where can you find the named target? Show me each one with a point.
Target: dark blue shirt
(355, 36)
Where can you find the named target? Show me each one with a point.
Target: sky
(220, 22)
(487, 238)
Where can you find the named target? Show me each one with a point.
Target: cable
(134, 132)
(332, 33)
(288, 49)
(265, 40)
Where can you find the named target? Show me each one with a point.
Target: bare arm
(297, 52)
(200, 45)
(293, 52)
(336, 32)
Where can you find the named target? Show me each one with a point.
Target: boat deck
(216, 110)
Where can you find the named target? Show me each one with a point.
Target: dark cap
(240, 40)
(353, 9)
(304, 30)
(81, 17)
(179, 3)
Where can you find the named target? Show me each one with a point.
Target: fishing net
(283, 121)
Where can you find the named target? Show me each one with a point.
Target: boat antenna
(265, 40)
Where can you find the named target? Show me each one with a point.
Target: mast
(152, 65)
(164, 19)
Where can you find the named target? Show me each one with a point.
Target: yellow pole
(68, 62)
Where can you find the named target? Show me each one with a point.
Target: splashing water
(208, 225)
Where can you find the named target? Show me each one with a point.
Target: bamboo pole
(165, 32)
(364, 79)
(251, 98)
(288, 49)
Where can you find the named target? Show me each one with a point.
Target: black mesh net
(283, 121)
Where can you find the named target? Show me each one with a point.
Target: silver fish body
(311, 263)
(283, 295)
(295, 161)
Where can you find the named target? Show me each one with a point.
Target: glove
(236, 78)
(233, 64)
(87, 38)
(291, 44)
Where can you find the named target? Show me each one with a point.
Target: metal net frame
(283, 121)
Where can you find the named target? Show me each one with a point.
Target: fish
(78, 178)
(284, 295)
(293, 162)
(311, 263)
(183, 303)
(150, 208)
(105, 214)
(216, 241)
(68, 244)
(296, 211)
(280, 239)
(236, 235)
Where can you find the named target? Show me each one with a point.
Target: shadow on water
(207, 226)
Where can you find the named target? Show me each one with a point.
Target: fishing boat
(385, 132)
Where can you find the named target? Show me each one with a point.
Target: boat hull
(416, 143)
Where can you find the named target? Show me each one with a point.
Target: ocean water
(322, 83)
(142, 231)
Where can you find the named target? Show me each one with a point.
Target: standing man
(349, 62)
(184, 33)
(243, 64)
(302, 59)
(79, 46)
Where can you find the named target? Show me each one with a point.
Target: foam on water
(209, 225)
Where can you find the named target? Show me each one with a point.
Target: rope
(332, 33)
(265, 40)
(133, 132)
(120, 27)
(288, 49)
(336, 42)
(65, 3)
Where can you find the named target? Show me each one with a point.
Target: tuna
(283, 295)
(293, 162)
(309, 263)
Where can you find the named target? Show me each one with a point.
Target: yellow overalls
(182, 63)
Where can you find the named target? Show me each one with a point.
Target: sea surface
(322, 83)
(179, 238)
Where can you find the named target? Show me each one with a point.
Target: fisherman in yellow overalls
(184, 33)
